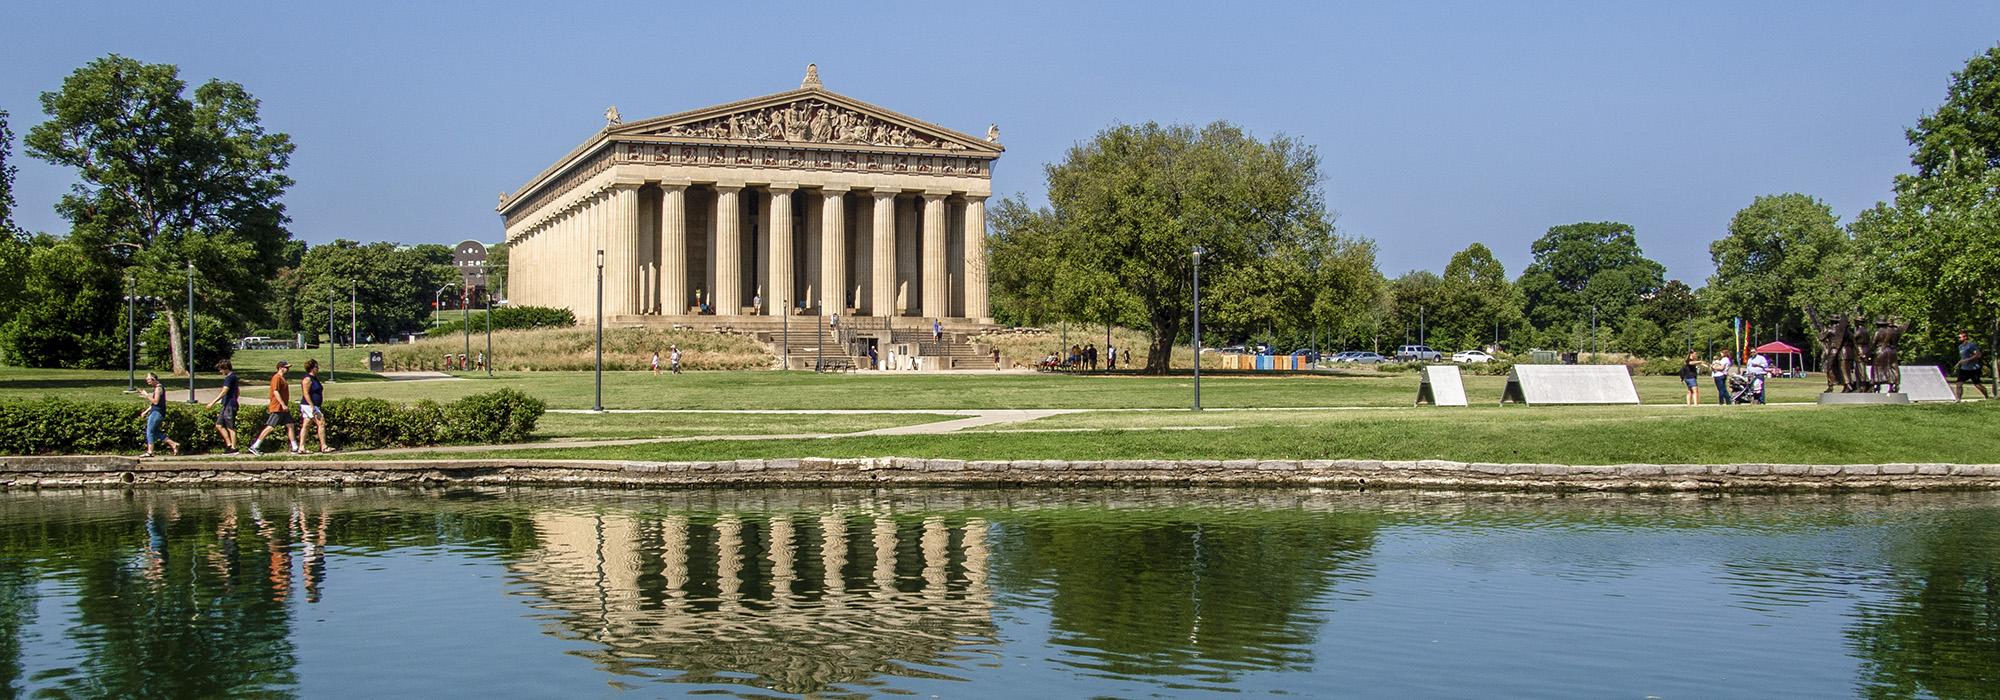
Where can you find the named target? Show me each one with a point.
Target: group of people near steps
(278, 416)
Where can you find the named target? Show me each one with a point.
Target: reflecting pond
(988, 592)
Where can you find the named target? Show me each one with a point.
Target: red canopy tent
(1792, 366)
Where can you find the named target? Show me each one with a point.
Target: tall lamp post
(465, 319)
(190, 341)
(1198, 252)
(352, 314)
(437, 303)
(599, 405)
(131, 346)
(489, 336)
(332, 341)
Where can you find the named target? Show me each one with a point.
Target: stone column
(621, 250)
(778, 298)
(728, 251)
(673, 248)
(975, 257)
(907, 280)
(883, 277)
(935, 296)
(811, 293)
(832, 250)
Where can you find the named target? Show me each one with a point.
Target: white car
(1466, 357)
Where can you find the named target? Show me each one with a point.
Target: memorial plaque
(1925, 383)
(1441, 386)
(1570, 384)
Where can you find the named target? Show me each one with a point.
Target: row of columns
(611, 220)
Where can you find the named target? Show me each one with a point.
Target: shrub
(64, 426)
(509, 318)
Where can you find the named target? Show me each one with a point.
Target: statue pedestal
(1857, 399)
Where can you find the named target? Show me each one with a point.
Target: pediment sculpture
(809, 121)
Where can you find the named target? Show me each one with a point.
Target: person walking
(656, 363)
(280, 411)
(1968, 367)
(225, 421)
(1111, 358)
(1691, 376)
(1758, 369)
(937, 334)
(155, 412)
(1719, 369)
(312, 407)
(674, 359)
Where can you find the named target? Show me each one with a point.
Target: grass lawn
(807, 390)
(1959, 433)
(561, 426)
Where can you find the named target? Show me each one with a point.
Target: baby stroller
(1742, 389)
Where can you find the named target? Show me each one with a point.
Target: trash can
(375, 361)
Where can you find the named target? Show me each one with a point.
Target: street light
(437, 303)
(131, 347)
(190, 343)
(352, 313)
(465, 319)
(332, 341)
(488, 358)
(599, 406)
(1198, 252)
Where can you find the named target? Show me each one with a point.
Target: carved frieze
(800, 158)
(809, 121)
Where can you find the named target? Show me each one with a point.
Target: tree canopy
(171, 178)
(1128, 208)
(1767, 268)
(1586, 270)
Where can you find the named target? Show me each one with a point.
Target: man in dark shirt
(1968, 369)
(225, 421)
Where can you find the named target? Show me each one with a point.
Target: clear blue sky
(1438, 124)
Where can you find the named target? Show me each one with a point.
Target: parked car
(1467, 357)
(1417, 353)
(1309, 354)
(1230, 350)
(1363, 357)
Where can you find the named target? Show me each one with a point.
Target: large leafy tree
(1127, 209)
(1768, 268)
(391, 287)
(1583, 271)
(1478, 302)
(170, 179)
(1966, 128)
(1934, 255)
(69, 315)
(1416, 295)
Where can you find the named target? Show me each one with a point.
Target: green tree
(1934, 255)
(1127, 209)
(392, 287)
(1415, 296)
(176, 179)
(1478, 301)
(1966, 128)
(1767, 269)
(68, 315)
(1586, 270)
(7, 229)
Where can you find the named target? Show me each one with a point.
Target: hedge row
(63, 426)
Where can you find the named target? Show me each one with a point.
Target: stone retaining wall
(56, 472)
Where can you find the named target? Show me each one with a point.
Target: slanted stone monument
(1442, 386)
(1570, 384)
(1924, 383)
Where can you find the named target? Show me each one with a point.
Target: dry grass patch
(574, 349)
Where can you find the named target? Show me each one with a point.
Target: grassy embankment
(1566, 435)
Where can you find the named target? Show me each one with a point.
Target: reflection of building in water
(798, 603)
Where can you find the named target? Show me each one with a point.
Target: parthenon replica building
(804, 202)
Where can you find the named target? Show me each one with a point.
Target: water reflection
(1061, 592)
(787, 601)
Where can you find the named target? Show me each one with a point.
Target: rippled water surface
(998, 593)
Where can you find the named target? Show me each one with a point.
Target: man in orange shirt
(280, 410)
